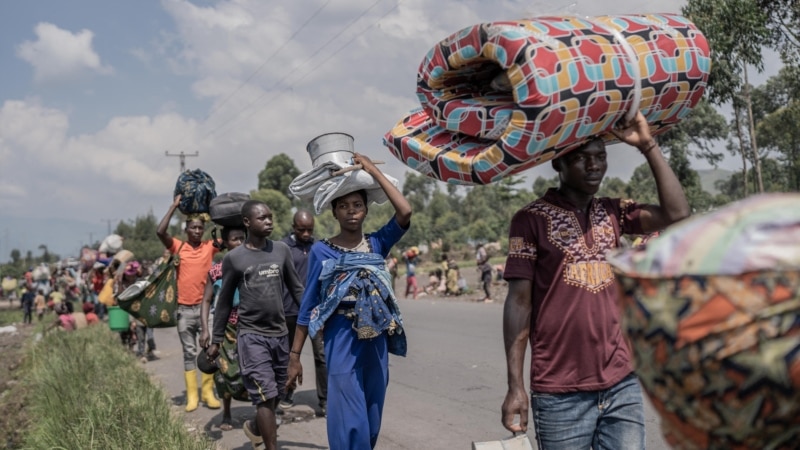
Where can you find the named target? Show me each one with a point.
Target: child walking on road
(260, 270)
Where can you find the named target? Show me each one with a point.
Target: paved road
(444, 395)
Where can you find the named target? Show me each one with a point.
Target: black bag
(226, 209)
(197, 189)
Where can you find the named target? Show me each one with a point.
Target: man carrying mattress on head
(563, 300)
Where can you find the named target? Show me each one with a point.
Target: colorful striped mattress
(711, 309)
(498, 98)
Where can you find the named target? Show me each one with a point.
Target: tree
(775, 180)
(140, 237)
(45, 253)
(278, 174)
(699, 200)
(15, 256)
(445, 218)
(642, 185)
(419, 232)
(737, 31)
(783, 21)
(541, 185)
(694, 135)
(613, 187)
(779, 132)
(742, 145)
(777, 110)
(418, 189)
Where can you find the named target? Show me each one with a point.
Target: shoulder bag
(154, 300)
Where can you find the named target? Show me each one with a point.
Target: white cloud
(58, 54)
(122, 161)
(226, 52)
(11, 190)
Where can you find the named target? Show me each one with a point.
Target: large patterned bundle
(196, 189)
(712, 311)
(501, 97)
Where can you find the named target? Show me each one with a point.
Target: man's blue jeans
(610, 419)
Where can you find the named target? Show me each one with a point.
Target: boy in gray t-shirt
(259, 269)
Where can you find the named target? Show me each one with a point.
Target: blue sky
(95, 91)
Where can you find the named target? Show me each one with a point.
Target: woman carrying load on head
(349, 299)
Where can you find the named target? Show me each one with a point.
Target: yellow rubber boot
(207, 391)
(191, 390)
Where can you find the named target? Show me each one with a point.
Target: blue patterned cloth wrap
(361, 277)
(196, 189)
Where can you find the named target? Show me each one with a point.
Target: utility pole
(182, 157)
(107, 221)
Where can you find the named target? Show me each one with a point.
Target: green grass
(10, 316)
(91, 394)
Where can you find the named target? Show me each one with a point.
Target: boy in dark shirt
(27, 305)
(259, 269)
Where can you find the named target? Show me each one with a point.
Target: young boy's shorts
(263, 362)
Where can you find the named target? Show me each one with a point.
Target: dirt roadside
(13, 397)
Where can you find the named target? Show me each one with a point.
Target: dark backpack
(196, 189)
(226, 209)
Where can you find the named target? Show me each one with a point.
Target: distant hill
(709, 178)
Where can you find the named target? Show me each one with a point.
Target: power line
(310, 18)
(307, 60)
(247, 80)
(297, 80)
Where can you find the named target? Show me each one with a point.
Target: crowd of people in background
(74, 296)
(77, 294)
(272, 294)
(446, 278)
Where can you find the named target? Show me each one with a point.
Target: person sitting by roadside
(434, 279)
(64, 321)
(91, 317)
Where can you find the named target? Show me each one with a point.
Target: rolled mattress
(501, 97)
